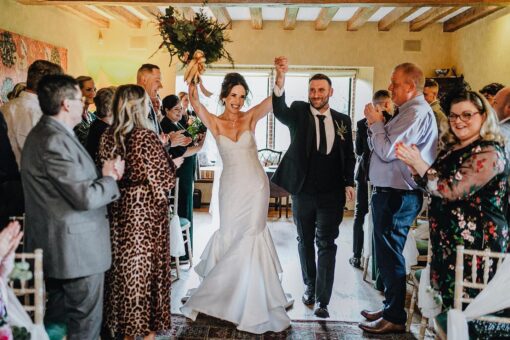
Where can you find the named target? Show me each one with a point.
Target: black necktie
(322, 135)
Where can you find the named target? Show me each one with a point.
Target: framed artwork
(17, 52)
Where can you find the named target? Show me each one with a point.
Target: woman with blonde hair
(468, 188)
(137, 287)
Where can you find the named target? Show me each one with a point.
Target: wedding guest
(23, 113)
(16, 91)
(11, 192)
(318, 170)
(65, 200)
(137, 287)
(468, 187)
(88, 91)
(395, 200)
(172, 109)
(149, 78)
(10, 237)
(490, 90)
(380, 99)
(501, 105)
(103, 102)
(430, 92)
(187, 114)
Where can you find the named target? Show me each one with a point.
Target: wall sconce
(100, 39)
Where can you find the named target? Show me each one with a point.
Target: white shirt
(328, 123)
(21, 115)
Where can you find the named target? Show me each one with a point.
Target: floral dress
(468, 190)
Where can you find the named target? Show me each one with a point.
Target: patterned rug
(209, 328)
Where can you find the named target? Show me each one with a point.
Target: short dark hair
(320, 76)
(231, 80)
(38, 69)
(491, 89)
(431, 83)
(82, 79)
(381, 94)
(169, 102)
(52, 91)
(104, 101)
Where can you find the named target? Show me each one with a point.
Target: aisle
(350, 295)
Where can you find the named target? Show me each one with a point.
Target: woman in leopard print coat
(137, 287)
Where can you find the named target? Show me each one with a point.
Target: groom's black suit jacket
(292, 171)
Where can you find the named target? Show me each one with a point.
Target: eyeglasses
(464, 116)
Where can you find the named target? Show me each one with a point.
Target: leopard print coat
(137, 287)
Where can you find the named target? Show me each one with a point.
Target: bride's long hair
(130, 111)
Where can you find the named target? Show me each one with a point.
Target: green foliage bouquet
(196, 128)
(184, 38)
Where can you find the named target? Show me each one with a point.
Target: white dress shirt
(21, 115)
(328, 123)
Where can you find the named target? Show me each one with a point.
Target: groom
(318, 171)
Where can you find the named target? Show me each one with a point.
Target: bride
(239, 266)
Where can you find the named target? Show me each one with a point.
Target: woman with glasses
(468, 188)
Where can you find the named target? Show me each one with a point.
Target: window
(270, 133)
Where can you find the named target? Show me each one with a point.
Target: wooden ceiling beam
(123, 15)
(324, 18)
(298, 3)
(289, 23)
(468, 17)
(360, 17)
(222, 16)
(256, 18)
(87, 14)
(149, 11)
(429, 17)
(187, 12)
(394, 17)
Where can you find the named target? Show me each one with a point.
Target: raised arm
(205, 116)
(280, 109)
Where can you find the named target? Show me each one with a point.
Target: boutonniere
(341, 129)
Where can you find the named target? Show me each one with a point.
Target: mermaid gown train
(240, 266)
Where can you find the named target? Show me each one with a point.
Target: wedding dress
(239, 266)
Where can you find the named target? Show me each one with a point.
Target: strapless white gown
(239, 266)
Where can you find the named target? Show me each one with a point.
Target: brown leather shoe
(371, 316)
(382, 326)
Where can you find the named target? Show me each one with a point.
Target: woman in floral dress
(468, 188)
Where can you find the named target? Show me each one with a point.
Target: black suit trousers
(359, 217)
(318, 217)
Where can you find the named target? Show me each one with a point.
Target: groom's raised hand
(281, 65)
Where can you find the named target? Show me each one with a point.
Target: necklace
(232, 121)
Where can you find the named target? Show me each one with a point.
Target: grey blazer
(65, 203)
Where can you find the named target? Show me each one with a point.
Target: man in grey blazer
(65, 200)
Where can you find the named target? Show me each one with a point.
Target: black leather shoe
(355, 262)
(321, 311)
(309, 296)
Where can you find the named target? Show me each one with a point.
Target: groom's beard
(319, 104)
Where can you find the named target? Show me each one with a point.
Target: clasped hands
(373, 113)
(114, 168)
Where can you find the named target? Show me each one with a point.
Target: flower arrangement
(196, 43)
(196, 128)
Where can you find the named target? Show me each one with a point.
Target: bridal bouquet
(196, 128)
(196, 43)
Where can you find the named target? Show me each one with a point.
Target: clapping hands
(411, 156)
(114, 168)
(10, 237)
